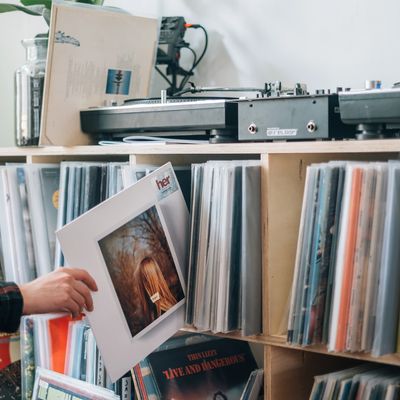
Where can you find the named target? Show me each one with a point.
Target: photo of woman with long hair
(143, 270)
(154, 294)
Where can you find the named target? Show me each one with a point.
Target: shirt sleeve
(11, 305)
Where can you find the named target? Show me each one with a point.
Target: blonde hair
(152, 283)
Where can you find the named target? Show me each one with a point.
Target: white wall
(14, 27)
(323, 44)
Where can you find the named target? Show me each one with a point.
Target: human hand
(65, 289)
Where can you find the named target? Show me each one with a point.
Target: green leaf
(5, 7)
(46, 3)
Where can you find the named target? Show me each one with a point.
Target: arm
(11, 304)
(63, 290)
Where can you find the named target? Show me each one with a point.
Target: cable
(197, 26)
(196, 62)
(190, 72)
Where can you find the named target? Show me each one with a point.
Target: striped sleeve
(11, 305)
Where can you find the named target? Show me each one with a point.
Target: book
(215, 369)
(90, 61)
(135, 247)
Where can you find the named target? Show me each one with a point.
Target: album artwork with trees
(143, 270)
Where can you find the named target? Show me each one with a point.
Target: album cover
(143, 270)
(10, 367)
(135, 247)
(216, 369)
(90, 61)
(50, 385)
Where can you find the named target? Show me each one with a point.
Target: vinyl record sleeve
(216, 369)
(147, 220)
(387, 311)
(95, 54)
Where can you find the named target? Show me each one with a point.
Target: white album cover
(134, 246)
(96, 55)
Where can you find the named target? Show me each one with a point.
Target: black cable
(196, 63)
(195, 26)
(190, 72)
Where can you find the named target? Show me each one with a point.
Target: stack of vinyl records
(224, 280)
(345, 287)
(28, 216)
(362, 382)
(66, 346)
(38, 199)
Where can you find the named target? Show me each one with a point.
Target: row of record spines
(347, 258)
(30, 208)
(224, 277)
(85, 184)
(83, 360)
(365, 381)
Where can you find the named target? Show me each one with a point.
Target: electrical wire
(196, 62)
(190, 72)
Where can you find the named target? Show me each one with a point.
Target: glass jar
(29, 83)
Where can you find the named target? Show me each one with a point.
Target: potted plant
(38, 7)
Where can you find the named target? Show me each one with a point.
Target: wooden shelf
(289, 369)
(306, 147)
(260, 339)
(390, 359)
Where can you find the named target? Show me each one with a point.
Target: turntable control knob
(252, 128)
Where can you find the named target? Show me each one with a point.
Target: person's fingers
(82, 275)
(73, 307)
(77, 298)
(84, 291)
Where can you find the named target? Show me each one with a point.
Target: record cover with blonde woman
(135, 247)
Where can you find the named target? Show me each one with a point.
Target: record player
(373, 111)
(193, 117)
(274, 114)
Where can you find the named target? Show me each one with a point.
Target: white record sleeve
(114, 242)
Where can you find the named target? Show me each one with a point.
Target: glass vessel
(29, 83)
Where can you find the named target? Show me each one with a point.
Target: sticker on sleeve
(118, 81)
(165, 183)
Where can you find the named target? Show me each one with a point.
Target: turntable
(195, 117)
